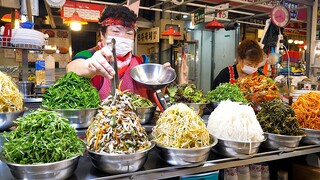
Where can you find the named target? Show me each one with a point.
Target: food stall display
(41, 137)
(10, 99)
(186, 93)
(71, 92)
(307, 110)
(139, 101)
(277, 117)
(116, 128)
(226, 91)
(235, 122)
(180, 127)
(258, 89)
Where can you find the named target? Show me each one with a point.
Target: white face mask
(123, 45)
(248, 69)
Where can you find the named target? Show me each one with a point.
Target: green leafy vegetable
(41, 137)
(139, 101)
(71, 92)
(186, 93)
(226, 91)
(278, 117)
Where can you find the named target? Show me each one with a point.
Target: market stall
(186, 129)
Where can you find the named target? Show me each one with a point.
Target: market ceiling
(237, 8)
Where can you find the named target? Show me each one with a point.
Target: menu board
(59, 39)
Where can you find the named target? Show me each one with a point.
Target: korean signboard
(150, 35)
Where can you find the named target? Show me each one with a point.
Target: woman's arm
(98, 64)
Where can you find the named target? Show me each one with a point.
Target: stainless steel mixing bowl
(78, 118)
(55, 170)
(184, 156)
(153, 76)
(240, 149)
(277, 141)
(145, 114)
(7, 118)
(119, 163)
(197, 107)
(312, 136)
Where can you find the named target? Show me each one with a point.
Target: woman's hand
(98, 64)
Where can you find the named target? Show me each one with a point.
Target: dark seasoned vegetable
(186, 93)
(41, 137)
(139, 101)
(278, 117)
(71, 92)
(226, 91)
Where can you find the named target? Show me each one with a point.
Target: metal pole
(240, 6)
(24, 65)
(158, 4)
(171, 7)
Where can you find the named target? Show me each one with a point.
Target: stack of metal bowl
(277, 141)
(78, 118)
(153, 76)
(240, 149)
(312, 136)
(184, 156)
(119, 163)
(145, 114)
(7, 118)
(213, 105)
(197, 107)
(55, 170)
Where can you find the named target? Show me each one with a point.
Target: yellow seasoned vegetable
(180, 127)
(10, 97)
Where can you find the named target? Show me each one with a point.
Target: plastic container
(50, 68)
(40, 70)
(27, 25)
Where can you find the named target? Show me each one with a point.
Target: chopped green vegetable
(71, 92)
(278, 117)
(139, 101)
(41, 137)
(226, 91)
(186, 93)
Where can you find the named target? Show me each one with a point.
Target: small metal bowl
(197, 107)
(184, 156)
(213, 105)
(153, 76)
(7, 118)
(312, 136)
(119, 163)
(55, 170)
(145, 114)
(240, 149)
(277, 141)
(78, 118)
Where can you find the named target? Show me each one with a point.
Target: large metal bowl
(277, 141)
(78, 118)
(312, 136)
(7, 118)
(119, 163)
(197, 107)
(240, 149)
(145, 114)
(55, 170)
(184, 156)
(153, 76)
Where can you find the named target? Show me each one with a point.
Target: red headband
(111, 21)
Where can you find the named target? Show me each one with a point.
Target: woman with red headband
(117, 22)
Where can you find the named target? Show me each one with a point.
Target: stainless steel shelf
(155, 168)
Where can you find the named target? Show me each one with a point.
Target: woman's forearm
(80, 67)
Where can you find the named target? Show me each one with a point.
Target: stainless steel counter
(155, 168)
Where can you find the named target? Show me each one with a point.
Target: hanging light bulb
(290, 41)
(75, 26)
(296, 42)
